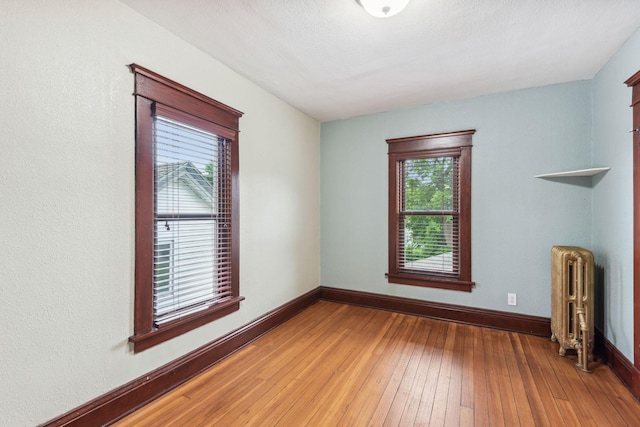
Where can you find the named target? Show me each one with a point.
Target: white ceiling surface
(332, 60)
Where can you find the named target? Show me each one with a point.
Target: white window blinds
(191, 219)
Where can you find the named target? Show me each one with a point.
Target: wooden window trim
(424, 146)
(152, 90)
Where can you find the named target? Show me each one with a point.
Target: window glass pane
(192, 277)
(428, 184)
(427, 242)
(186, 164)
(187, 204)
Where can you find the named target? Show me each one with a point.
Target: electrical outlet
(511, 299)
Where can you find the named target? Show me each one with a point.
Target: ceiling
(332, 60)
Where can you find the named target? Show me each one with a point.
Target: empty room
(337, 212)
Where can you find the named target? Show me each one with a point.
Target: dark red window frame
(454, 144)
(151, 91)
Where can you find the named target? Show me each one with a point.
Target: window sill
(430, 281)
(173, 329)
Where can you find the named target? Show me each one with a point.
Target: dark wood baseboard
(534, 325)
(117, 403)
(620, 365)
(635, 389)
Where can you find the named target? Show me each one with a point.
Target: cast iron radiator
(572, 301)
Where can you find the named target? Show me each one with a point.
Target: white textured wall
(516, 218)
(67, 199)
(613, 195)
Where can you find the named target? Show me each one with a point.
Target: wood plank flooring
(341, 365)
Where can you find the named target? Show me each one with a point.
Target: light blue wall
(516, 218)
(613, 195)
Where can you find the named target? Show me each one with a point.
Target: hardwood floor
(341, 365)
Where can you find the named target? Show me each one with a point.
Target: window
(186, 209)
(430, 210)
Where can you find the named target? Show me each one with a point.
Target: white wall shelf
(579, 172)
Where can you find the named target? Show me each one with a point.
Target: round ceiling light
(383, 8)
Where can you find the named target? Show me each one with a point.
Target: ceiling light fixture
(383, 8)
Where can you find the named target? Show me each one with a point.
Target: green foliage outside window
(208, 172)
